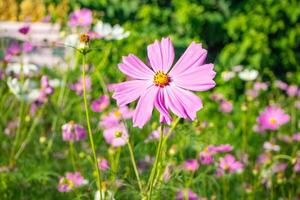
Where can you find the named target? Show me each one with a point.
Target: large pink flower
(162, 86)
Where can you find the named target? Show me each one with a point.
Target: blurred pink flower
(13, 49)
(114, 117)
(190, 165)
(24, 29)
(186, 194)
(272, 118)
(279, 167)
(252, 93)
(264, 158)
(296, 167)
(271, 147)
(296, 137)
(221, 148)
(100, 104)
(82, 18)
(281, 85)
(260, 86)
(70, 182)
(225, 106)
(297, 104)
(292, 90)
(216, 96)
(78, 86)
(27, 47)
(103, 164)
(206, 157)
(160, 86)
(73, 132)
(229, 164)
(116, 136)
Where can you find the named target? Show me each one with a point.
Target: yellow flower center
(161, 79)
(118, 134)
(273, 121)
(117, 114)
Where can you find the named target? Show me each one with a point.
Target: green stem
(71, 146)
(21, 116)
(157, 160)
(89, 126)
(135, 167)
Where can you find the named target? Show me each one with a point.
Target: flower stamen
(161, 79)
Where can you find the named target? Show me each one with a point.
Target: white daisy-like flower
(27, 91)
(110, 32)
(248, 74)
(105, 195)
(28, 69)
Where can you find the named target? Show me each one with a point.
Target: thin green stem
(134, 166)
(71, 146)
(89, 126)
(157, 159)
(21, 115)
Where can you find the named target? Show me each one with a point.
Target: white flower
(110, 32)
(227, 75)
(27, 91)
(28, 69)
(248, 74)
(72, 40)
(108, 195)
(55, 83)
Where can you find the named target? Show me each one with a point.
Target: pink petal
(144, 107)
(193, 56)
(135, 68)
(160, 105)
(129, 91)
(196, 78)
(161, 55)
(229, 159)
(182, 102)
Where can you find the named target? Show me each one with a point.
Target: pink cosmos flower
(217, 96)
(264, 158)
(225, 106)
(279, 167)
(296, 137)
(229, 164)
(190, 165)
(165, 88)
(24, 29)
(206, 157)
(70, 182)
(78, 86)
(186, 194)
(292, 90)
(251, 93)
(272, 118)
(13, 49)
(260, 86)
(114, 118)
(82, 18)
(221, 148)
(27, 47)
(103, 164)
(116, 136)
(73, 132)
(296, 167)
(281, 85)
(100, 104)
(45, 91)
